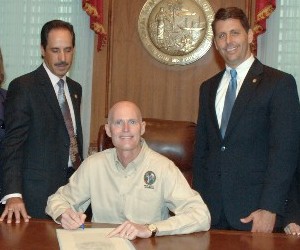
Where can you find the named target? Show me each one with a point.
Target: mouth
(61, 64)
(231, 49)
(126, 137)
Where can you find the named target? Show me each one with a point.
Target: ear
(107, 130)
(215, 43)
(250, 36)
(143, 127)
(42, 51)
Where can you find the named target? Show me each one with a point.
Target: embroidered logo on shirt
(149, 179)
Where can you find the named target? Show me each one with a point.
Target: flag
(94, 8)
(263, 9)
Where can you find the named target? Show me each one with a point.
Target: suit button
(223, 148)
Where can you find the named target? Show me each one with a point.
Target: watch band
(153, 229)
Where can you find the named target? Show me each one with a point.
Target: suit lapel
(75, 97)
(212, 100)
(48, 91)
(246, 92)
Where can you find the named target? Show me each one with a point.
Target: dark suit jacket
(36, 145)
(252, 167)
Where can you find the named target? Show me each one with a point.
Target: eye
(68, 50)
(235, 32)
(118, 122)
(221, 36)
(132, 122)
(55, 50)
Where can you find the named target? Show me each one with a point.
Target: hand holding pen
(72, 220)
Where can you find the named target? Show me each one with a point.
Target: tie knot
(233, 73)
(61, 83)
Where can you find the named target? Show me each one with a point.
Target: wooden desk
(41, 235)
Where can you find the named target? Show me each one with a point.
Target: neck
(125, 157)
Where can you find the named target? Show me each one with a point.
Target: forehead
(125, 112)
(228, 24)
(59, 37)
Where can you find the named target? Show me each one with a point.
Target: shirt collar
(244, 65)
(243, 68)
(132, 166)
(53, 78)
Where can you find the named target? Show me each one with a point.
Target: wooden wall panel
(124, 70)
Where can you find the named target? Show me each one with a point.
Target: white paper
(91, 239)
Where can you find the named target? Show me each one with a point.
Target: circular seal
(176, 32)
(149, 178)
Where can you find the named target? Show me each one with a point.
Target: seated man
(130, 185)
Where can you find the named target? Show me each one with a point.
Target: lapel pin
(75, 96)
(254, 80)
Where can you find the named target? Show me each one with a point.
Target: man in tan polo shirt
(130, 185)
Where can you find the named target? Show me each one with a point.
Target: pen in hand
(82, 226)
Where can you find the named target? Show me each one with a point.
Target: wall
(124, 70)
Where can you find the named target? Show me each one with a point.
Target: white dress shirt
(242, 71)
(54, 80)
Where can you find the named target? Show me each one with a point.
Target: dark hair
(55, 24)
(231, 12)
(1, 69)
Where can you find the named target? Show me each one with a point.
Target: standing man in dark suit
(247, 133)
(39, 146)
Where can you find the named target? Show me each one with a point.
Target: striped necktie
(229, 101)
(74, 153)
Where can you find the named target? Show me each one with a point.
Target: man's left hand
(263, 221)
(293, 229)
(129, 230)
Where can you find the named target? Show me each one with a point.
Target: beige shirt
(143, 193)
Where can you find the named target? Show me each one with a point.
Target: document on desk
(91, 238)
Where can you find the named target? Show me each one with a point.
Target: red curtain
(263, 9)
(94, 8)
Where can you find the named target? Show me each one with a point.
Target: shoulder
(99, 158)
(276, 74)
(105, 154)
(216, 78)
(27, 80)
(2, 94)
(270, 73)
(160, 162)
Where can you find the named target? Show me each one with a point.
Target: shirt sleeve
(74, 195)
(190, 212)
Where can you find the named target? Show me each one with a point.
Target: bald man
(130, 185)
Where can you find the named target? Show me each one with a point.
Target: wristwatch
(153, 229)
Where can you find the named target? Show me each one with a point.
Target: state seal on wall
(176, 32)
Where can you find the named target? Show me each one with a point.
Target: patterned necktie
(229, 101)
(74, 153)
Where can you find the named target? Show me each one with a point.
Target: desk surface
(41, 234)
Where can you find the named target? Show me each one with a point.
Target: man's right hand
(14, 207)
(72, 220)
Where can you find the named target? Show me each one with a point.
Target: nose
(228, 38)
(125, 126)
(62, 56)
